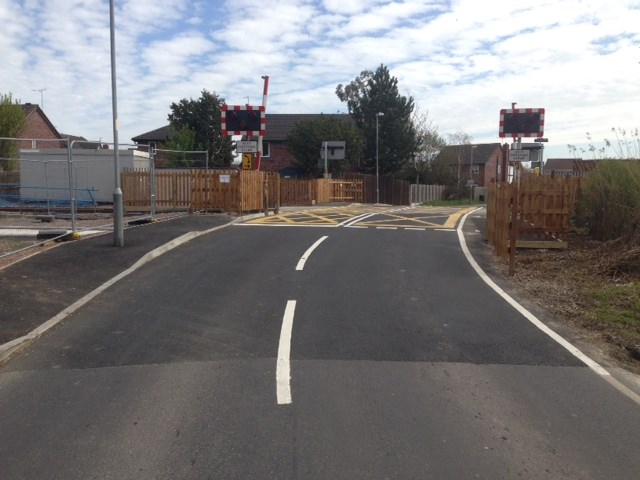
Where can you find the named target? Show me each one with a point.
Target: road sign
(518, 156)
(247, 161)
(522, 122)
(246, 146)
(335, 150)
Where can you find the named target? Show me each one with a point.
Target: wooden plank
(541, 244)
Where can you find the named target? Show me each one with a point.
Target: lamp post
(471, 182)
(118, 208)
(378, 115)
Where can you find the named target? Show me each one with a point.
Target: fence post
(512, 237)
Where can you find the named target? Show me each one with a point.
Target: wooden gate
(195, 190)
(533, 212)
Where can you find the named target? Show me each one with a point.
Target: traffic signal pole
(264, 104)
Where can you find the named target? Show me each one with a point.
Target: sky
(461, 61)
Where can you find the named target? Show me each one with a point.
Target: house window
(266, 149)
(475, 169)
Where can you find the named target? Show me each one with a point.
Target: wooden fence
(533, 212)
(10, 184)
(231, 191)
(391, 190)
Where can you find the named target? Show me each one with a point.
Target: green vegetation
(306, 138)
(609, 206)
(614, 310)
(367, 96)
(459, 202)
(617, 304)
(196, 124)
(12, 119)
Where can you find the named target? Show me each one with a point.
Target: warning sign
(247, 161)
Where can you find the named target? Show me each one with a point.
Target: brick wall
(37, 127)
(279, 158)
(489, 172)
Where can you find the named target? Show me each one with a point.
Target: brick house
(568, 167)
(37, 126)
(478, 162)
(276, 156)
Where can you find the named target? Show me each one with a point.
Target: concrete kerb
(10, 348)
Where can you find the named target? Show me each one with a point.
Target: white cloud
(461, 60)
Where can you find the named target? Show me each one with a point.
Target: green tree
(202, 118)
(374, 93)
(12, 120)
(305, 143)
(181, 141)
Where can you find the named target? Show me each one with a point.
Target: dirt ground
(13, 249)
(565, 284)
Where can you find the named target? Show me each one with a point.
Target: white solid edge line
(593, 365)
(283, 366)
(307, 254)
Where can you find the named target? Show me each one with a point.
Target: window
(266, 150)
(475, 169)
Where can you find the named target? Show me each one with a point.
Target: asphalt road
(402, 364)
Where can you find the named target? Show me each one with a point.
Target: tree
(429, 143)
(305, 143)
(377, 92)
(182, 141)
(202, 118)
(460, 142)
(12, 118)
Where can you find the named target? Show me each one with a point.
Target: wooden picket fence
(533, 212)
(231, 190)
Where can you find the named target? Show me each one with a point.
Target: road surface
(365, 349)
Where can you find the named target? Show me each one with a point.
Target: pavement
(37, 289)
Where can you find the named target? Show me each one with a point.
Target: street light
(118, 209)
(378, 115)
(471, 182)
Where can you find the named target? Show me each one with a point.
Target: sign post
(331, 150)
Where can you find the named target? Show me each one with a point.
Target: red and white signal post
(248, 121)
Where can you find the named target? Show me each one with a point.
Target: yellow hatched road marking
(424, 220)
(329, 216)
(335, 216)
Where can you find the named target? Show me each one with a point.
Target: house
(157, 137)
(477, 162)
(38, 127)
(568, 167)
(275, 157)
